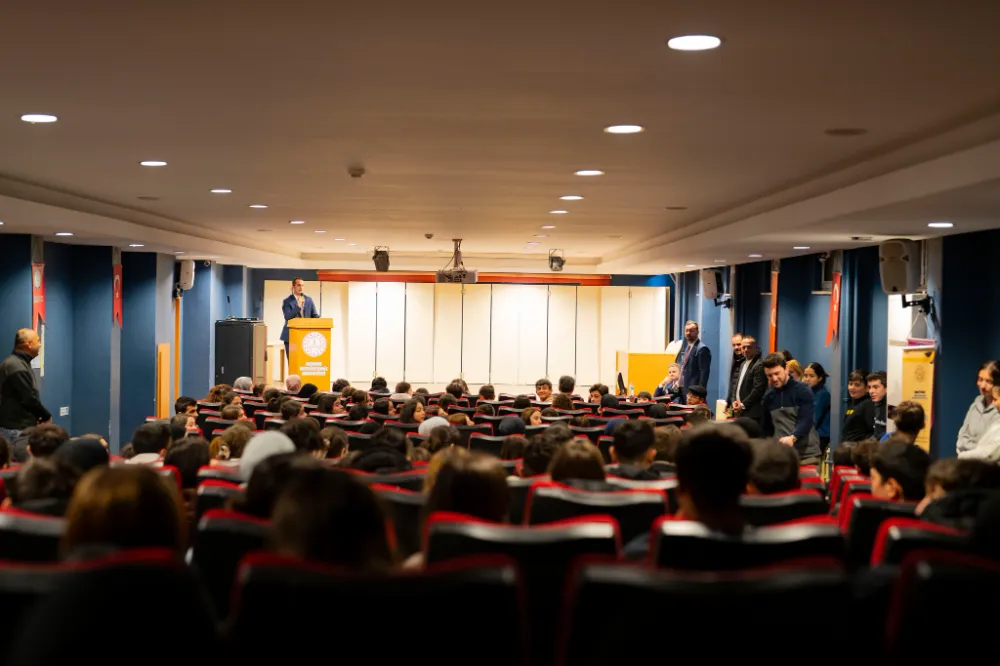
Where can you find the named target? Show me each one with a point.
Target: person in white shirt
(982, 413)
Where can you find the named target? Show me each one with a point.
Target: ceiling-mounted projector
(456, 274)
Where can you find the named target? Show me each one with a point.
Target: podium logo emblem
(314, 344)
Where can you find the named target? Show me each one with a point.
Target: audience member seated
(403, 391)
(909, 420)
(843, 455)
(437, 460)
(459, 419)
(214, 395)
(269, 478)
(291, 409)
(123, 507)
(357, 413)
(898, 471)
(455, 390)
(511, 425)
(862, 454)
(633, 451)
(531, 416)
(665, 441)
(697, 416)
(955, 491)
(596, 392)
(442, 437)
(697, 395)
(306, 437)
(340, 385)
(567, 385)
(429, 425)
(644, 396)
(230, 398)
(580, 421)
(550, 412)
(84, 453)
(243, 384)
(43, 440)
(775, 468)
(308, 391)
(185, 405)
(987, 445)
(420, 455)
(262, 446)
(750, 426)
(412, 412)
(713, 465)
(513, 446)
(387, 453)
(486, 409)
(44, 486)
(538, 456)
(150, 441)
(543, 390)
(235, 439)
(384, 407)
(562, 401)
(521, 402)
(233, 412)
(179, 426)
(188, 456)
(327, 516)
(577, 460)
(293, 384)
(335, 441)
(487, 392)
(657, 411)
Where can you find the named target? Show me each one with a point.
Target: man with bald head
(20, 405)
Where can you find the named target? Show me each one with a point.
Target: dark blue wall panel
(15, 287)
(233, 287)
(138, 340)
(60, 333)
(92, 321)
(197, 332)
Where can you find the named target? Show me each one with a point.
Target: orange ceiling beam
(502, 278)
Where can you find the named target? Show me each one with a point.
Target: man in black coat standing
(750, 383)
(20, 405)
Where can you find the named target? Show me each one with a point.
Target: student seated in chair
(775, 468)
(633, 451)
(898, 471)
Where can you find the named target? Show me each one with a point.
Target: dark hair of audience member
(421, 391)
(842, 454)
(435, 463)
(45, 486)
(236, 437)
(130, 506)
(644, 395)
(521, 402)
(178, 427)
(609, 401)
(84, 453)
(335, 440)
(231, 413)
(357, 413)
(599, 388)
(785, 354)
(527, 413)
(408, 411)
(5, 452)
(910, 418)
(582, 421)
(229, 398)
(551, 412)
(577, 459)
(182, 404)
(447, 400)
(562, 401)
(270, 395)
(305, 435)
(43, 440)
(458, 419)
(487, 392)
(328, 516)
(339, 385)
(291, 409)
(394, 439)
(566, 384)
(381, 406)
(151, 438)
(380, 384)
(775, 468)
(420, 454)
(268, 478)
(665, 441)
(486, 409)
(512, 447)
(474, 484)
(862, 453)
(538, 455)
(634, 443)
(750, 426)
(952, 474)
(442, 437)
(657, 411)
(188, 456)
(903, 463)
(324, 403)
(713, 464)
(454, 389)
(127, 452)
(698, 416)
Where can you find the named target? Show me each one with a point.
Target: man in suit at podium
(296, 305)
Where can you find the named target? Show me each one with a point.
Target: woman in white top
(983, 412)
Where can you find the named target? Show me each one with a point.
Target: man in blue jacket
(788, 411)
(695, 360)
(296, 305)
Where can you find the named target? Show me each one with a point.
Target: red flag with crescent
(37, 294)
(118, 295)
(833, 320)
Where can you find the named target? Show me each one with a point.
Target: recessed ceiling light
(257, 206)
(338, 239)
(64, 233)
(38, 118)
(136, 245)
(755, 256)
(845, 131)
(558, 212)
(549, 226)
(1, 223)
(801, 247)
(179, 252)
(692, 266)
(352, 243)
(296, 221)
(536, 235)
(321, 231)
(221, 190)
(590, 172)
(624, 129)
(153, 163)
(940, 225)
(532, 242)
(694, 43)
(571, 197)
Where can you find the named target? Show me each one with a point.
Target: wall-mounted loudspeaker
(711, 283)
(899, 266)
(186, 280)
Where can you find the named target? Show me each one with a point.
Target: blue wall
(234, 280)
(715, 323)
(92, 311)
(60, 333)
(138, 343)
(15, 287)
(198, 332)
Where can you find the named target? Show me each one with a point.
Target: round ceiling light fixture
(136, 245)
(38, 118)
(296, 221)
(940, 225)
(571, 197)
(549, 226)
(624, 129)
(694, 43)
(754, 256)
(153, 163)
(801, 247)
(222, 190)
(589, 172)
(558, 212)
(64, 233)
(257, 206)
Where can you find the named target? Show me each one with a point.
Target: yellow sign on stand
(309, 350)
(918, 385)
(643, 371)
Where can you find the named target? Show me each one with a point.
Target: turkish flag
(774, 312)
(117, 316)
(833, 320)
(37, 294)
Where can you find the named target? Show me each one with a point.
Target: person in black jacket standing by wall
(877, 388)
(859, 413)
(750, 384)
(20, 405)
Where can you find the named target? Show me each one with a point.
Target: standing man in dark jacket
(20, 405)
(877, 388)
(694, 358)
(788, 411)
(734, 369)
(750, 383)
(859, 414)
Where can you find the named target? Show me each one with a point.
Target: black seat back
(898, 537)
(405, 510)
(26, 537)
(864, 517)
(635, 510)
(486, 443)
(21, 585)
(412, 479)
(519, 487)
(590, 432)
(782, 507)
(221, 541)
(685, 544)
(466, 431)
(214, 494)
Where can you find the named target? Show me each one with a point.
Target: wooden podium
(309, 350)
(644, 371)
